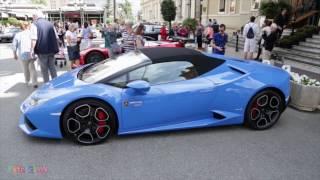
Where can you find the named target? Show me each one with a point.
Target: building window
(222, 6)
(255, 4)
(232, 6)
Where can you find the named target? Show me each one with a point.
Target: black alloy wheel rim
(89, 124)
(265, 110)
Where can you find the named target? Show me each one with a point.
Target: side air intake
(218, 116)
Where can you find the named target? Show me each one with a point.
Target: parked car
(94, 55)
(151, 31)
(156, 89)
(8, 34)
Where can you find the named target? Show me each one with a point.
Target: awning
(4, 15)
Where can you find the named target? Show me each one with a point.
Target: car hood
(63, 84)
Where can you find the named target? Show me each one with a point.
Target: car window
(158, 73)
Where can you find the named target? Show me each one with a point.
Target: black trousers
(199, 41)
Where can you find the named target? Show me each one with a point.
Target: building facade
(151, 10)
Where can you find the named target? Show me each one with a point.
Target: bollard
(237, 42)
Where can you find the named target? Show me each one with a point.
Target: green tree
(168, 11)
(272, 9)
(125, 10)
(190, 24)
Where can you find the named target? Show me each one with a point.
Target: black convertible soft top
(202, 62)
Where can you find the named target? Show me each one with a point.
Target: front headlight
(35, 102)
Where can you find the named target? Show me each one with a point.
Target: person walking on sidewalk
(250, 32)
(22, 51)
(220, 40)
(199, 34)
(45, 45)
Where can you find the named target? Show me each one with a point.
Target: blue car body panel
(226, 90)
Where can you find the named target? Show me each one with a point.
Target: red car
(94, 55)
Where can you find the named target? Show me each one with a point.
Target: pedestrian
(215, 26)
(282, 21)
(61, 34)
(86, 36)
(210, 23)
(139, 37)
(22, 50)
(72, 46)
(163, 33)
(129, 38)
(250, 32)
(266, 28)
(220, 40)
(199, 34)
(110, 39)
(45, 45)
(269, 41)
(208, 33)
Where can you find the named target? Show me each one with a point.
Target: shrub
(272, 9)
(300, 35)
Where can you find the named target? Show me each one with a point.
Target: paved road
(290, 150)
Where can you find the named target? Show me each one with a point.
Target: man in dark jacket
(45, 45)
(282, 21)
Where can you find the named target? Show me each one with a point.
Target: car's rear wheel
(94, 57)
(264, 110)
(88, 121)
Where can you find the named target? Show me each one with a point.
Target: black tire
(264, 110)
(88, 122)
(94, 57)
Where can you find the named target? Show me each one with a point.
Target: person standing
(163, 33)
(72, 46)
(282, 21)
(86, 36)
(215, 26)
(266, 28)
(269, 41)
(110, 39)
(250, 32)
(45, 45)
(199, 34)
(220, 40)
(22, 51)
(208, 34)
(129, 38)
(139, 37)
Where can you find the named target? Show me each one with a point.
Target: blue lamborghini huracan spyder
(156, 89)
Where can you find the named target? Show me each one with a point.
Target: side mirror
(139, 85)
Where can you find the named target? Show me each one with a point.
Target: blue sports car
(156, 89)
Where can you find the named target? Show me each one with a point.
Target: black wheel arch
(89, 98)
(94, 51)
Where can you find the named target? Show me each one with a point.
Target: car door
(176, 95)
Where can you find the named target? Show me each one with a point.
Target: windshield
(109, 67)
(10, 30)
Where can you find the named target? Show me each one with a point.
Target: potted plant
(305, 92)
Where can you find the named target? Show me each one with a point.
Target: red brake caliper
(254, 106)
(101, 116)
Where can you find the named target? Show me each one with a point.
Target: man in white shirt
(250, 32)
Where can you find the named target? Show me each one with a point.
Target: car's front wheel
(88, 121)
(264, 110)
